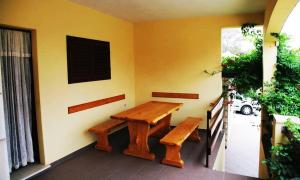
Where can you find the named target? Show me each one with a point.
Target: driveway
(242, 153)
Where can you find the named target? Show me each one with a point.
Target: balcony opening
(243, 126)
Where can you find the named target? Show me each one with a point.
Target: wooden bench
(174, 139)
(102, 131)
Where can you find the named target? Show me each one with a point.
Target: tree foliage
(283, 94)
(246, 69)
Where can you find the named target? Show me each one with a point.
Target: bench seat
(187, 129)
(102, 131)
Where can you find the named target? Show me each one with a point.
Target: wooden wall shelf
(175, 95)
(89, 105)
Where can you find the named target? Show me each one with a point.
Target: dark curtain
(15, 57)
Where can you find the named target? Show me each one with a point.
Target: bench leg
(103, 143)
(173, 157)
(194, 136)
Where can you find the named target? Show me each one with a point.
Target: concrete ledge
(278, 124)
(280, 119)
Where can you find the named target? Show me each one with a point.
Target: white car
(244, 105)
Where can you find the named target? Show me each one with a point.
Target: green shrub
(284, 163)
(281, 101)
(280, 165)
(294, 129)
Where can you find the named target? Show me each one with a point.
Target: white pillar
(269, 60)
(269, 67)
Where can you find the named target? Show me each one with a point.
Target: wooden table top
(151, 112)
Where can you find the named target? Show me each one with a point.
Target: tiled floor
(95, 164)
(242, 153)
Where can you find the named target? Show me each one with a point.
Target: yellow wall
(61, 133)
(171, 55)
(268, 12)
(276, 14)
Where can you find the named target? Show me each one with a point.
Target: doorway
(243, 129)
(17, 92)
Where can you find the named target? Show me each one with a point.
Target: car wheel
(246, 110)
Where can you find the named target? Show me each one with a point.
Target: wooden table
(149, 119)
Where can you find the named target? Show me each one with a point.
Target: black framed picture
(88, 60)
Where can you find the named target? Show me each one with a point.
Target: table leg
(139, 132)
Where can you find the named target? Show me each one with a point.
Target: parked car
(242, 104)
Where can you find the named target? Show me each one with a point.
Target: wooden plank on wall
(176, 95)
(89, 105)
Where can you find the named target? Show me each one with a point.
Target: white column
(269, 67)
(269, 60)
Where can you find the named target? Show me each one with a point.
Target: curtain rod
(14, 29)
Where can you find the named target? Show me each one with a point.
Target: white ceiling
(145, 10)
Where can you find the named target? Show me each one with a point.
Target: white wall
(219, 164)
(4, 172)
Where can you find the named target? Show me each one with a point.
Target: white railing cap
(280, 119)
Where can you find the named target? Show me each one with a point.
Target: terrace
(157, 51)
